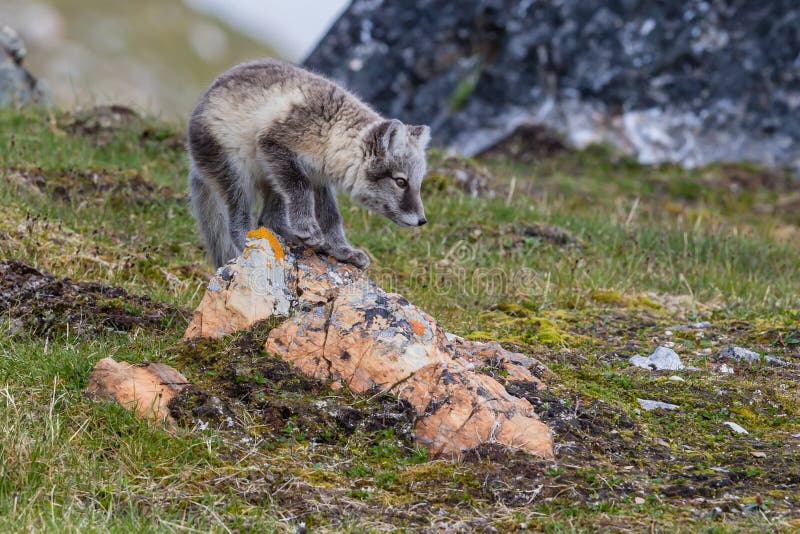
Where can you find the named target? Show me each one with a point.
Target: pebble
(650, 405)
(724, 369)
(735, 427)
(676, 378)
(702, 325)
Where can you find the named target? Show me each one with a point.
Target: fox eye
(402, 183)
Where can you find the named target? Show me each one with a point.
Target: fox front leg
(290, 182)
(330, 221)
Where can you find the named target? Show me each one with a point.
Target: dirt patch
(512, 239)
(527, 145)
(281, 401)
(459, 174)
(117, 188)
(37, 302)
(105, 124)
(739, 176)
(550, 233)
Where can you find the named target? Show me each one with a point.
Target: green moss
(608, 296)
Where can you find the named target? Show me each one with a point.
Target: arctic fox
(272, 130)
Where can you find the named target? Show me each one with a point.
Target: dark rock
(690, 81)
(17, 86)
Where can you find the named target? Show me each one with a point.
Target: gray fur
(271, 132)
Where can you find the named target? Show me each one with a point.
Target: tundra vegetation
(579, 258)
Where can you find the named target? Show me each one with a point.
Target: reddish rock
(147, 388)
(343, 328)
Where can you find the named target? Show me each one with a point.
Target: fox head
(391, 177)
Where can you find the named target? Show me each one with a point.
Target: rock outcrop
(17, 85)
(342, 328)
(690, 81)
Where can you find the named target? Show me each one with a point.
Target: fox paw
(310, 235)
(351, 255)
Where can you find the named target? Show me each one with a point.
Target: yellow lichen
(419, 328)
(263, 233)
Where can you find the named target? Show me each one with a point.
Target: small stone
(735, 427)
(693, 326)
(662, 359)
(746, 355)
(638, 500)
(758, 454)
(741, 354)
(724, 369)
(650, 405)
(676, 378)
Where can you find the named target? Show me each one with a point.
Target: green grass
(652, 248)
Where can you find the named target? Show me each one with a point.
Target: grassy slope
(654, 248)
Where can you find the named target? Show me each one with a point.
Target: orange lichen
(263, 233)
(418, 327)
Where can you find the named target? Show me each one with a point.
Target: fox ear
(389, 137)
(394, 138)
(422, 134)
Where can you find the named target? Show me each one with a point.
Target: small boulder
(144, 388)
(662, 359)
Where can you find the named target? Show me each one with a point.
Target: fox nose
(421, 221)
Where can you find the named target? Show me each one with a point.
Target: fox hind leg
(212, 218)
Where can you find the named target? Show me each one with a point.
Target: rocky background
(691, 81)
(17, 86)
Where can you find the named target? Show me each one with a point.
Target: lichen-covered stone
(347, 330)
(252, 287)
